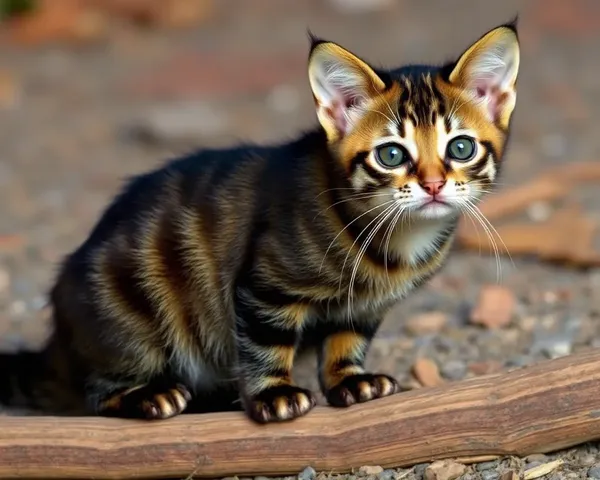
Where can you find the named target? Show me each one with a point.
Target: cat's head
(430, 139)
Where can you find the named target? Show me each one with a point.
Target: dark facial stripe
(475, 169)
(447, 124)
(360, 160)
(490, 149)
(383, 178)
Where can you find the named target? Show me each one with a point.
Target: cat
(204, 279)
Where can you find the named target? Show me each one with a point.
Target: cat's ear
(341, 84)
(489, 69)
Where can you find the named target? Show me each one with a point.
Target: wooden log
(537, 409)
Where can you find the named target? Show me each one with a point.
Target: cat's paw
(149, 402)
(280, 403)
(361, 388)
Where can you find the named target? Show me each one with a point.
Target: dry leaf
(543, 469)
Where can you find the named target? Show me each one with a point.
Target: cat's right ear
(341, 84)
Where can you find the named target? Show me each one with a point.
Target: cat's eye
(391, 155)
(461, 149)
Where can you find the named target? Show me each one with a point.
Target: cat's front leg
(267, 335)
(343, 379)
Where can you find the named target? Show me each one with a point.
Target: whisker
(334, 189)
(361, 196)
(495, 231)
(388, 207)
(387, 235)
(390, 211)
(489, 228)
(471, 211)
(350, 223)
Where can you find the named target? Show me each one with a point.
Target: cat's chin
(436, 210)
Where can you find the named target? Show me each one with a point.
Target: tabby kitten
(203, 278)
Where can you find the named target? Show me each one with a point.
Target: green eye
(461, 149)
(391, 155)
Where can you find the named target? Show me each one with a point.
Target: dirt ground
(76, 119)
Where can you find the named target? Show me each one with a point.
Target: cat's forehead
(420, 100)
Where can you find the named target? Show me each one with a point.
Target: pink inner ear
(339, 108)
(493, 98)
(336, 112)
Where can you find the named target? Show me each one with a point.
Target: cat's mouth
(435, 208)
(433, 201)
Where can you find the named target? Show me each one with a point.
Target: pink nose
(433, 187)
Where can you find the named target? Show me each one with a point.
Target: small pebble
(490, 475)
(554, 346)
(370, 470)
(530, 465)
(426, 323)
(537, 457)
(387, 475)
(520, 361)
(420, 469)
(426, 372)
(495, 307)
(454, 370)
(587, 460)
(4, 280)
(308, 473)
(594, 472)
(444, 470)
(486, 465)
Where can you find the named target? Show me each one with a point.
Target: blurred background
(92, 91)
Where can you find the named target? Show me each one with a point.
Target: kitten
(203, 278)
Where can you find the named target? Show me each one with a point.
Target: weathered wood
(551, 405)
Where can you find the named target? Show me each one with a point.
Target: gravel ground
(78, 119)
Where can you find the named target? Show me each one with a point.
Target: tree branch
(537, 409)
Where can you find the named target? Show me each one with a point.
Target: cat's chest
(415, 253)
(417, 243)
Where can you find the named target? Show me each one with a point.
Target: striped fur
(203, 278)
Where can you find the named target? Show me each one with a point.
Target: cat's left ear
(342, 84)
(489, 69)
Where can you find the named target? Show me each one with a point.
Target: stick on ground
(537, 409)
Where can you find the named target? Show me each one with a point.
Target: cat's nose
(433, 187)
